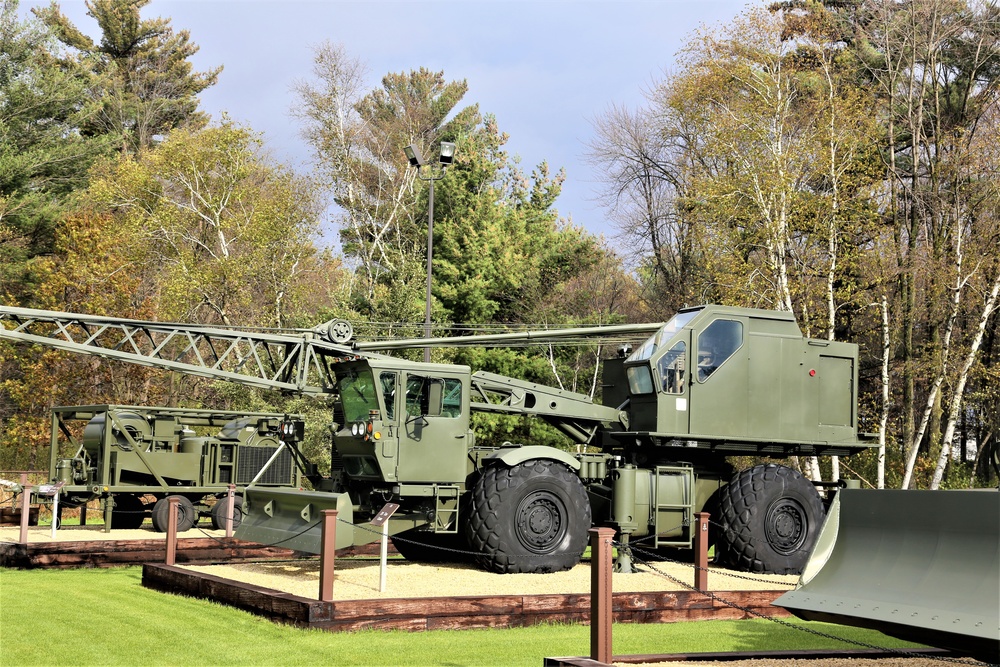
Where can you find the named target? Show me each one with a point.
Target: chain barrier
(811, 631)
(726, 573)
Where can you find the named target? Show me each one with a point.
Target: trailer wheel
(186, 514)
(532, 517)
(421, 546)
(128, 512)
(771, 516)
(219, 512)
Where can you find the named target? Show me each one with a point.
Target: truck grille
(252, 459)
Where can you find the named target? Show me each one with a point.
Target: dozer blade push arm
(289, 363)
(575, 415)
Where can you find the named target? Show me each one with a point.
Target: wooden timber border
(113, 553)
(453, 613)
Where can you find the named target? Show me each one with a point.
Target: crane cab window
(716, 344)
(672, 367)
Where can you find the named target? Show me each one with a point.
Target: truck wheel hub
(540, 522)
(785, 526)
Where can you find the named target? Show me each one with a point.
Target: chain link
(727, 573)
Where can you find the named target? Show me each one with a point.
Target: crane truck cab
(740, 380)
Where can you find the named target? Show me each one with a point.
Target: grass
(105, 617)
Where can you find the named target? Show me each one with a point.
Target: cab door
(719, 381)
(673, 369)
(433, 428)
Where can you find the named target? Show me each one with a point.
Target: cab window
(672, 368)
(452, 396)
(388, 381)
(639, 379)
(716, 344)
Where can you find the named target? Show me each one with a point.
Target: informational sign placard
(383, 514)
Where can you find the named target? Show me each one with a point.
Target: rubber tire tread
(218, 512)
(128, 513)
(742, 544)
(187, 517)
(495, 498)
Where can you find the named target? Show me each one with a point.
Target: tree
(934, 64)
(140, 73)
(43, 155)
(646, 158)
(358, 139)
(231, 233)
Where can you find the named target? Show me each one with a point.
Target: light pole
(434, 173)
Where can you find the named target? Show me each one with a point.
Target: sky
(546, 69)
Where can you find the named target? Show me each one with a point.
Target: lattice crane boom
(286, 362)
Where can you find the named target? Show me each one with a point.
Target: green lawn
(105, 617)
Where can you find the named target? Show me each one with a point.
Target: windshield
(676, 323)
(357, 394)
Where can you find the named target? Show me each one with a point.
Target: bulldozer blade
(293, 518)
(923, 566)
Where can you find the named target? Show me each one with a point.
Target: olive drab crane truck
(712, 382)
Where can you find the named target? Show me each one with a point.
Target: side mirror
(432, 400)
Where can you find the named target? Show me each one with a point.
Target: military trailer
(134, 458)
(712, 382)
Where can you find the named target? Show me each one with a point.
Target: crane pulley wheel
(338, 331)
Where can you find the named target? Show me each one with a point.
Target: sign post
(382, 519)
(52, 490)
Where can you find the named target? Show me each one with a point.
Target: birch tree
(357, 137)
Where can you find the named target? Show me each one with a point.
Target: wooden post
(327, 554)
(230, 509)
(600, 594)
(172, 529)
(701, 551)
(25, 508)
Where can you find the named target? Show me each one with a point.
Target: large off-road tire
(422, 546)
(532, 517)
(128, 512)
(219, 510)
(771, 516)
(187, 516)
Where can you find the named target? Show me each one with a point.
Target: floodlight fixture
(414, 156)
(447, 152)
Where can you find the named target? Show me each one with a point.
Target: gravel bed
(95, 532)
(358, 579)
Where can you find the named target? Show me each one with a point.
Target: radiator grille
(252, 459)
